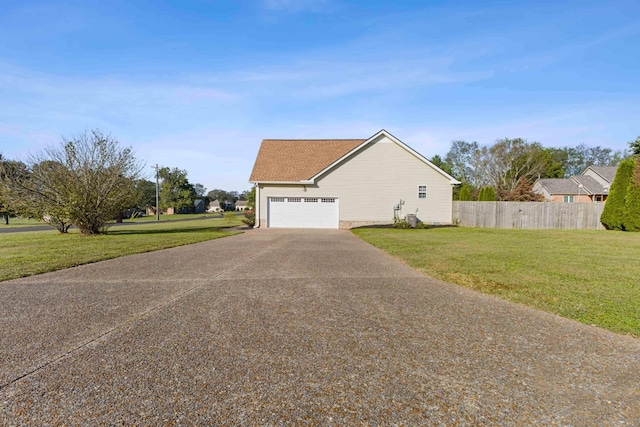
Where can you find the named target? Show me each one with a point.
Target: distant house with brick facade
(592, 186)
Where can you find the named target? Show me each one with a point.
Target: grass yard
(28, 253)
(177, 217)
(15, 222)
(20, 222)
(589, 276)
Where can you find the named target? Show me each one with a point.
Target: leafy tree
(613, 214)
(146, 192)
(635, 146)
(85, 181)
(463, 159)
(524, 193)
(175, 190)
(631, 220)
(503, 165)
(200, 191)
(465, 193)
(439, 162)
(509, 163)
(251, 198)
(487, 194)
(8, 169)
(552, 166)
(576, 159)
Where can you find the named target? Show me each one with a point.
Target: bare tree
(85, 181)
(509, 162)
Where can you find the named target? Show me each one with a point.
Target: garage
(303, 212)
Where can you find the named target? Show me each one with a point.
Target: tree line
(507, 169)
(89, 180)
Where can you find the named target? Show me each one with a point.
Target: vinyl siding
(371, 182)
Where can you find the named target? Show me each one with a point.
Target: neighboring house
(214, 206)
(344, 183)
(198, 206)
(592, 186)
(241, 205)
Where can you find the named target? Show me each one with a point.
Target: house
(198, 206)
(592, 186)
(345, 183)
(241, 205)
(214, 206)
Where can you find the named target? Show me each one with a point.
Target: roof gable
(306, 160)
(590, 184)
(607, 173)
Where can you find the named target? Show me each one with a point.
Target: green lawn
(178, 217)
(28, 253)
(20, 222)
(589, 276)
(24, 222)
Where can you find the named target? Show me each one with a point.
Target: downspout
(257, 201)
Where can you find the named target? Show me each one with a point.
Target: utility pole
(157, 195)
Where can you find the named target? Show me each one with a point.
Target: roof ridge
(315, 139)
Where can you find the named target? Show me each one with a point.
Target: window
(311, 200)
(294, 200)
(599, 198)
(568, 199)
(328, 200)
(277, 199)
(422, 192)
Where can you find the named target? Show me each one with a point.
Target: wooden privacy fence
(532, 215)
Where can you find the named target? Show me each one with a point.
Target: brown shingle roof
(607, 172)
(560, 185)
(292, 160)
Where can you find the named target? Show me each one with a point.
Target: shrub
(487, 194)
(229, 216)
(614, 209)
(401, 223)
(465, 193)
(249, 218)
(631, 220)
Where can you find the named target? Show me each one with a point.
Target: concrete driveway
(300, 328)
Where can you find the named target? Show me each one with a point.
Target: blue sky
(198, 84)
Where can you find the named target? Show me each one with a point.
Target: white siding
(371, 182)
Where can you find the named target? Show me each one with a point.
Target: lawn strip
(25, 254)
(589, 276)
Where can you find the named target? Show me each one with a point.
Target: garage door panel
(303, 212)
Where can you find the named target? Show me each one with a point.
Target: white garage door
(303, 212)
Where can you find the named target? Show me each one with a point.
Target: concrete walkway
(295, 327)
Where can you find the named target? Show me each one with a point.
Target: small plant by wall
(249, 218)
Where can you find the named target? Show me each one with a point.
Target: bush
(613, 214)
(249, 218)
(631, 220)
(401, 223)
(229, 216)
(487, 194)
(465, 193)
